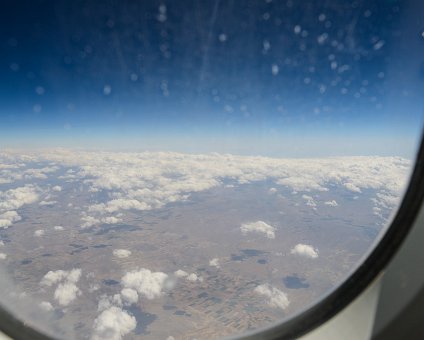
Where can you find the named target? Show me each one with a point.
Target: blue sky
(278, 78)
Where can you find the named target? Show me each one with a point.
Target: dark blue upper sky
(283, 78)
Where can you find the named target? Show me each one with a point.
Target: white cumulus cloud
(15, 198)
(39, 233)
(113, 323)
(258, 227)
(129, 295)
(214, 263)
(66, 290)
(46, 306)
(193, 277)
(47, 203)
(8, 218)
(147, 283)
(89, 221)
(331, 203)
(180, 273)
(121, 253)
(305, 250)
(309, 201)
(352, 187)
(274, 297)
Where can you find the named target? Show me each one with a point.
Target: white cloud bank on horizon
(149, 180)
(258, 227)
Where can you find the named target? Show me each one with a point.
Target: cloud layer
(149, 180)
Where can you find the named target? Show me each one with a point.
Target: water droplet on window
(107, 90)
(40, 90)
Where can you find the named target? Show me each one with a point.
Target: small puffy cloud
(47, 203)
(258, 227)
(309, 201)
(180, 273)
(214, 263)
(332, 203)
(39, 233)
(275, 297)
(110, 220)
(53, 277)
(377, 211)
(352, 187)
(46, 306)
(109, 301)
(121, 253)
(113, 323)
(129, 295)
(74, 275)
(89, 221)
(305, 250)
(145, 282)
(8, 218)
(194, 278)
(58, 228)
(3, 256)
(93, 287)
(272, 190)
(66, 290)
(57, 188)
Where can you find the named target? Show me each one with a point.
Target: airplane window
(198, 169)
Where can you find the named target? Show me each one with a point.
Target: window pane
(198, 169)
